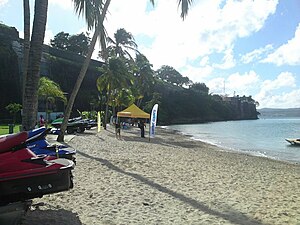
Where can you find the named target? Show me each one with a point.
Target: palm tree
(26, 42)
(124, 98)
(49, 91)
(115, 77)
(94, 12)
(30, 96)
(144, 78)
(122, 42)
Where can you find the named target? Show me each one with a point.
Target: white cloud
(64, 4)
(3, 2)
(21, 34)
(228, 60)
(283, 100)
(239, 84)
(271, 96)
(197, 74)
(284, 79)
(216, 85)
(256, 54)
(278, 93)
(287, 54)
(242, 82)
(207, 29)
(48, 36)
(204, 61)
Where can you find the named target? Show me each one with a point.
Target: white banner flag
(153, 120)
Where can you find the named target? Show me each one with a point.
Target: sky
(235, 47)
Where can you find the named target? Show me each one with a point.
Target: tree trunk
(81, 76)
(106, 109)
(76, 87)
(26, 44)
(105, 116)
(30, 97)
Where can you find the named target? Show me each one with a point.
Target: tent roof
(133, 112)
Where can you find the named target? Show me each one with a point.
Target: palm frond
(185, 4)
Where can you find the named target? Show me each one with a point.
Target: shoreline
(229, 149)
(170, 180)
(224, 149)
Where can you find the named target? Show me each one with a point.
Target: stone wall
(60, 66)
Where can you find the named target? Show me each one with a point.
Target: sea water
(263, 137)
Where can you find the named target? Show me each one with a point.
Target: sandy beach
(170, 180)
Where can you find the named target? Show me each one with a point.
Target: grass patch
(4, 129)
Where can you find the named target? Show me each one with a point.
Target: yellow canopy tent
(133, 112)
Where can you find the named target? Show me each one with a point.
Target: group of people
(141, 125)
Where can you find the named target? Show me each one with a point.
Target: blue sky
(250, 47)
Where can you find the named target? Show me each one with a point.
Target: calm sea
(263, 137)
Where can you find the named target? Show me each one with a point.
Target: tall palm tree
(123, 41)
(94, 12)
(26, 42)
(30, 96)
(115, 77)
(118, 47)
(144, 77)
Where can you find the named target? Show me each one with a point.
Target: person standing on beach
(142, 126)
(42, 121)
(118, 130)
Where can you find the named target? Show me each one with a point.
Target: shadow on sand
(231, 215)
(50, 217)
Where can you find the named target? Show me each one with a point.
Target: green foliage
(49, 89)
(144, 78)
(114, 80)
(60, 41)
(88, 114)
(119, 46)
(200, 88)
(156, 99)
(4, 129)
(78, 43)
(13, 108)
(181, 105)
(172, 76)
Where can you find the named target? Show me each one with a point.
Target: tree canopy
(172, 76)
(78, 43)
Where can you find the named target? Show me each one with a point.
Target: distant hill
(278, 113)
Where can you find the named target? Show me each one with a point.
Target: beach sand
(170, 180)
